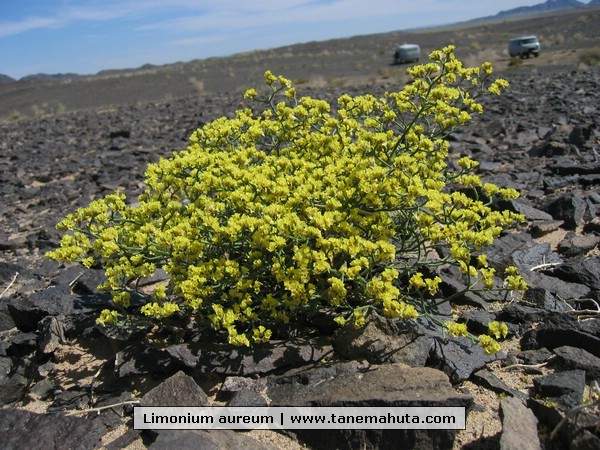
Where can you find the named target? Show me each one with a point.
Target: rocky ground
(60, 373)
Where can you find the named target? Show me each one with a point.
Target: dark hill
(4, 79)
(549, 5)
(50, 77)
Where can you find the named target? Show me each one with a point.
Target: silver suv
(524, 46)
(406, 53)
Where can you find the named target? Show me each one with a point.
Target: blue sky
(59, 36)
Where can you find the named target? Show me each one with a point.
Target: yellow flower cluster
(159, 311)
(299, 205)
(430, 284)
(108, 317)
(456, 329)
(498, 329)
(490, 345)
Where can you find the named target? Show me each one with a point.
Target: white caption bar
(294, 418)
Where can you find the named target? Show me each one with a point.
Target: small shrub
(298, 207)
(37, 111)
(45, 110)
(59, 108)
(384, 72)
(590, 57)
(515, 62)
(197, 84)
(335, 82)
(558, 39)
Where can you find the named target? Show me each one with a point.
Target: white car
(524, 46)
(407, 53)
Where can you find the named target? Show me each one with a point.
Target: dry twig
(10, 284)
(585, 313)
(571, 413)
(526, 366)
(102, 408)
(543, 266)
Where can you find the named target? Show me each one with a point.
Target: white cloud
(194, 17)
(28, 24)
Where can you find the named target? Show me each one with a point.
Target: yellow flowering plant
(298, 205)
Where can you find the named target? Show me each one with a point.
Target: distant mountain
(5, 79)
(49, 77)
(550, 5)
(114, 72)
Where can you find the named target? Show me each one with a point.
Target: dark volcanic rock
(585, 441)
(559, 330)
(15, 376)
(142, 359)
(533, 357)
(459, 358)
(575, 245)
(519, 426)
(544, 299)
(577, 358)
(353, 386)
(248, 398)
(261, 359)
(571, 208)
(221, 359)
(206, 440)
(381, 341)
(581, 271)
(533, 256)
(528, 211)
(553, 284)
(565, 388)
(245, 391)
(177, 390)
(453, 287)
(24, 429)
(52, 334)
(489, 380)
(6, 320)
(55, 301)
